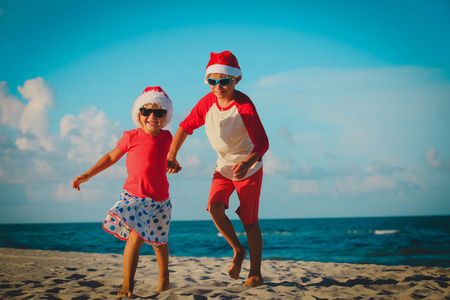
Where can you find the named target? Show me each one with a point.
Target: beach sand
(41, 274)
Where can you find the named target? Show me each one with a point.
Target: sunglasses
(159, 113)
(221, 82)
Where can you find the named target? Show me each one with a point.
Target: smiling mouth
(153, 123)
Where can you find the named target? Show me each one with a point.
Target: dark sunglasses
(221, 82)
(159, 113)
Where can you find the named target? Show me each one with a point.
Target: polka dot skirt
(147, 217)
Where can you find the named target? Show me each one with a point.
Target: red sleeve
(124, 143)
(254, 127)
(197, 116)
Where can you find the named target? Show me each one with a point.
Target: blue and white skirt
(150, 219)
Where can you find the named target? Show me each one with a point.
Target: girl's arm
(178, 140)
(105, 162)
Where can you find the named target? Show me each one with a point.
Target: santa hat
(152, 95)
(224, 63)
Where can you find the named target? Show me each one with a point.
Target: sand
(40, 274)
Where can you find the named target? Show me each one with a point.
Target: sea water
(416, 241)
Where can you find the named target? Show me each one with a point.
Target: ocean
(414, 241)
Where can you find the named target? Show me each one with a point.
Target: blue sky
(354, 95)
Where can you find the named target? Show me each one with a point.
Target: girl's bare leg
(162, 256)
(255, 246)
(130, 262)
(217, 211)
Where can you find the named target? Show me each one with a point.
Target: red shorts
(248, 191)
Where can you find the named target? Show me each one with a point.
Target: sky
(354, 97)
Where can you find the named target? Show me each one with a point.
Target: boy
(235, 132)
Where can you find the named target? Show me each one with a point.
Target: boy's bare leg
(255, 246)
(162, 256)
(224, 225)
(130, 262)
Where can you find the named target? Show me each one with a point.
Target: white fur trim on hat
(222, 69)
(152, 97)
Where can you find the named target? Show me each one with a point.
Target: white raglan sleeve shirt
(234, 132)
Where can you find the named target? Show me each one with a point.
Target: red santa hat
(152, 95)
(224, 63)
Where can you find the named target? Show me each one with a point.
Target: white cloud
(89, 135)
(347, 179)
(304, 187)
(331, 126)
(67, 124)
(435, 160)
(196, 157)
(192, 161)
(192, 165)
(378, 183)
(36, 193)
(307, 172)
(286, 135)
(383, 167)
(274, 165)
(34, 119)
(84, 137)
(375, 120)
(349, 185)
(10, 107)
(31, 156)
(357, 185)
(379, 113)
(26, 144)
(43, 167)
(64, 193)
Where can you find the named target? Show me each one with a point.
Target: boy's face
(223, 92)
(151, 124)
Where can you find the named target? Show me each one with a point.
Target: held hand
(172, 166)
(240, 170)
(79, 180)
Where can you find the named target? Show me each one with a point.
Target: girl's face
(223, 92)
(151, 124)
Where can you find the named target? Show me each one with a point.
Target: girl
(142, 214)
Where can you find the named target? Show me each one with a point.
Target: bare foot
(254, 281)
(163, 284)
(236, 264)
(126, 291)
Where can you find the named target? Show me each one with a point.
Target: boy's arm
(105, 162)
(240, 169)
(172, 164)
(258, 136)
(255, 129)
